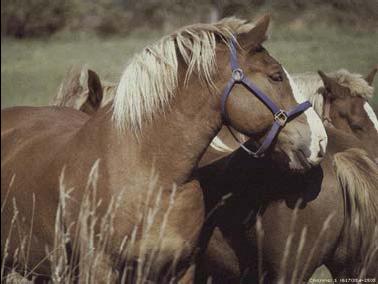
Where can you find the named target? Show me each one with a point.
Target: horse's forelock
(356, 83)
(312, 86)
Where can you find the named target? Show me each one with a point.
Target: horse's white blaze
(370, 112)
(319, 137)
(220, 146)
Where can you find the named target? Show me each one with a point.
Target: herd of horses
(171, 147)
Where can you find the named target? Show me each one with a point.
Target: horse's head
(82, 89)
(346, 106)
(302, 141)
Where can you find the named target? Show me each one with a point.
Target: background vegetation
(41, 39)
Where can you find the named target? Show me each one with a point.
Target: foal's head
(302, 141)
(83, 90)
(347, 95)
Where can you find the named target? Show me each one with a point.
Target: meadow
(32, 69)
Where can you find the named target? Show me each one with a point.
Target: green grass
(31, 70)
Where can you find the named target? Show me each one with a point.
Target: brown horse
(349, 110)
(140, 153)
(348, 93)
(341, 99)
(335, 224)
(83, 90)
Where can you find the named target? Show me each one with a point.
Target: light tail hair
(357, 177)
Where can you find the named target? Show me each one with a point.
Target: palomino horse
(341, 99)
(347, 92)
(335, 224)
(343, 103)
(83, 90)
(167, 109)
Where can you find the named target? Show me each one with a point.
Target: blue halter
(281, 117)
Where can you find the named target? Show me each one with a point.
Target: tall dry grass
(79, 248)
(92, 236)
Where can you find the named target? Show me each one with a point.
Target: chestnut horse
(336, 222)
(141, 152)
(347, 92)
(83, 90)
(349, 110)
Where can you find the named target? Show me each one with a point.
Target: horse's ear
(255, 36)
(95, 89)
(370, 77)
(334, 89)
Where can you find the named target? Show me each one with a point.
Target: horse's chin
(293, 162)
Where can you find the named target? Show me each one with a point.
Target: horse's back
(32, 134)
(29, 132)
(41, 118)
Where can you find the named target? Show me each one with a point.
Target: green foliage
(27, 18)
(20, 18)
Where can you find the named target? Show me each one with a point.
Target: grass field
(31, 70)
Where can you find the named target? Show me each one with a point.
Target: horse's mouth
(299, 162)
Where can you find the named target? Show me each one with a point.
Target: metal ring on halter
(281, 117)
(237, 74)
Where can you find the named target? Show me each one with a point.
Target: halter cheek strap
(281, 117)
(327, 120)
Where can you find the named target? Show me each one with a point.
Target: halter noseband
(281, 117)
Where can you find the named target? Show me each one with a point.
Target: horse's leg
(168, 248)
(102, 273)
(188, 277)
(184, 225)
(218, 262)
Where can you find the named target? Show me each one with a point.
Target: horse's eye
(276, 77)
(356, 126)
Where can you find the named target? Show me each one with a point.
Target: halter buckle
(281, 117)
(237, 74)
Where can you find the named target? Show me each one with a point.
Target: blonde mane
(357, 177)
(312, 86)
(150, 81)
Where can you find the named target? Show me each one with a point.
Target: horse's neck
(171, 145)
(340, 140)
